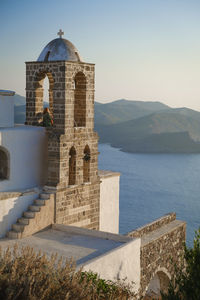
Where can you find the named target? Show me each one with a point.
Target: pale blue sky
(143, 49)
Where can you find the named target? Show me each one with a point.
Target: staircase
(38, 216)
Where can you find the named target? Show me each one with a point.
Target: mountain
(154, 133)
(124, 110)
(139, 126)
(155, 123)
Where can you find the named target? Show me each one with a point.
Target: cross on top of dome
(60, 33)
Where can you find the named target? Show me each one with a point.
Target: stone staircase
(38, 216)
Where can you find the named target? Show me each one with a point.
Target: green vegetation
(26, 275)
(186, 283)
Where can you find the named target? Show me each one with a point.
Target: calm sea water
(152, 185)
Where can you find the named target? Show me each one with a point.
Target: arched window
(44, 94)
(80, 100)
(72, 166)
(86, 164)
(4, 164)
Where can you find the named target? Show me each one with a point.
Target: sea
(152, 185)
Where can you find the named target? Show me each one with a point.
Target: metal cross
(60, 33)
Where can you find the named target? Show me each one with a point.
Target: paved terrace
(70, 242)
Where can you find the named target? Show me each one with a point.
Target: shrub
(27, 275)
(186, 283)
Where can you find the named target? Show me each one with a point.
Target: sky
(143, 49)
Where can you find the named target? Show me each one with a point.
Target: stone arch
(4, 163)
(39, 92)
(80, 87)
(86, 164)
(72, 166)
(159, 282)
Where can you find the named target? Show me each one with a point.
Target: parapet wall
(166, 219)
(162, 247)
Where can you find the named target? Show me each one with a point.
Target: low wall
(162, 253)
(161, 248)
(122, 263)
(12, 205)
(164, 220)
(109, 201)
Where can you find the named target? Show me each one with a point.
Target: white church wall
(27, 147)
(109, 201)
(12, 205)
(119, 263)
(6, 111)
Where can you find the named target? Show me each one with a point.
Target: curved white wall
(27, 146)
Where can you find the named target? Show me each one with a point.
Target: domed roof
(59, 49)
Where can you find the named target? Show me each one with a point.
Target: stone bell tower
(72, 142)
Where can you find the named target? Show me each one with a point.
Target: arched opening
(4, 164)
(80, 100)
(158, 283)
(44, 95)
(86, 164)
(46, 92)
(72, 166)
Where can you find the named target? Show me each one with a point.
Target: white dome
(59, 49)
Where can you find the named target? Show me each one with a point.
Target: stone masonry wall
(161, 247)
(164, 252)
(71, 101)
(79, 206)
(153, 225)
(61, 91)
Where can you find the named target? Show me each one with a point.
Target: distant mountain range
(143, 127)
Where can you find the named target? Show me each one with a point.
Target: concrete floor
(80, 247)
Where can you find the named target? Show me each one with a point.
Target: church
(52, 190)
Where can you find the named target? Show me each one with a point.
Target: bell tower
(72, 142)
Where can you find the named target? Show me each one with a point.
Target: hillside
(152, 132)
(124, 110)
(138, 126)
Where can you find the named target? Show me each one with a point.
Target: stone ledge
(162, 231)
(106, 174)
(146, 229)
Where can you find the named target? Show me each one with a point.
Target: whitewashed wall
(109, 201)
(27, 147)
(12, 208)
(119, 263)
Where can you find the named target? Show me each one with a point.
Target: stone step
(23, 221)
(14, 235)
(44, 196)
(39, 202)
(18, 227)
(29, 214)
(34, 208)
